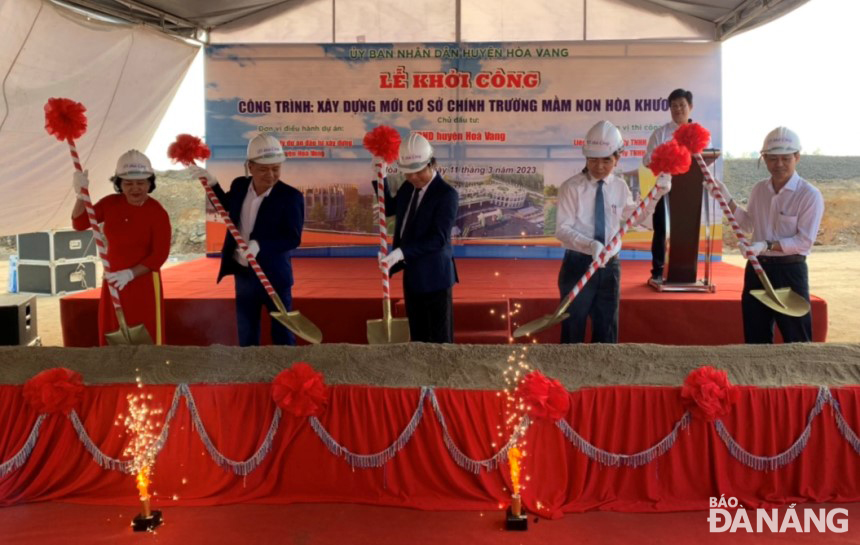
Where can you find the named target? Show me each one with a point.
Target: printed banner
(506, 123)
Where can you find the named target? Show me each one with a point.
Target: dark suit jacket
(428, 263)
(278, 229)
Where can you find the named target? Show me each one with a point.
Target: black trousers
(251, 297)
(598, 300)
(759, 319)
(658, 239)
(431, 316)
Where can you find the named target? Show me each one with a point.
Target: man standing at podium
(680, 105)
(783, 214)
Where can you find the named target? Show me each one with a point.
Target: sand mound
(452, 366)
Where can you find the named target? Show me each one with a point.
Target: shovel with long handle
(292, 320)
(388, 329)
(782, 300)
(124, 335)
(560, 314)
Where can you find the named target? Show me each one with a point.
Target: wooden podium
(684, 206)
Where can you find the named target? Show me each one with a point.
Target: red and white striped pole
(97, 233)
(379, 165)
(243, 246)
(714, 189)
(616, 239)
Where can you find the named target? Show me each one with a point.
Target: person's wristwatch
(769, 245)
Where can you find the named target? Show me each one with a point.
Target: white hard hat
(415, 154)
(265, 149)
(602, 140)
(133, 165)
(781, 141)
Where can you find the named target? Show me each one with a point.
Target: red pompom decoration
(186, 149)
(65, 118)
(300, 390)
(708, 393)
(544, 397)
(692, 136)
(384, 142)
(670, 157)
(54, 390)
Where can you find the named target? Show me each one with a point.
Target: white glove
(391, 259)
(663, 183)
(199, 172)
(596, 248)
(758, 247)
(80, 180)
(724, 190)
(253, 248)
(120, 279)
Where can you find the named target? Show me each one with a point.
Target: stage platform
(493, 297)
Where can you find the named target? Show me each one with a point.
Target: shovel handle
(714, 189)
(97, 232)
(379, 165)
(604, 255)
(243, 246)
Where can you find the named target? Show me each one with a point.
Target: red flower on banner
(544, 397)
(708, 393)
(384, 142)
(65, 118)
(54, 390)
(692, 136)
(670, 157)
(186, 149)
(300, 390)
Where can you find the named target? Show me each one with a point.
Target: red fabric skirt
(423, 474)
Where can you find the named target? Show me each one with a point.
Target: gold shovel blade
(299, 325)
(127, 335)
(387, 331)
(541, 324)
(784, 301)
(133, 335)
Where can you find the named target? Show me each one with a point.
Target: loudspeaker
(17, 320)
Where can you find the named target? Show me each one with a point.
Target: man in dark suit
(269, 214)
(425, 210)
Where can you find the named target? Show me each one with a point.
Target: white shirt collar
(254, 192)
(790, 185)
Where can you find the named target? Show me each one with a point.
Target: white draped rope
(471, 464)
(243, 467)
(629, 460)
(23, 454)
(475, 466)
(381, 457)
(770, 463)
(843, 426)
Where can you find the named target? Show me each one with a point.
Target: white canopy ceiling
(126, 63)
(324, 21)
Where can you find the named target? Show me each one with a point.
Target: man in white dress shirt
(783, 214)
(680, 106)
(592, 205)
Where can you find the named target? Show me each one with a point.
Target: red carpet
(492, 298)
(328, 524)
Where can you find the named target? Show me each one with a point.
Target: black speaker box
(17, 320)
